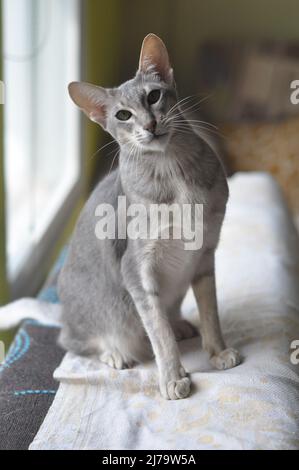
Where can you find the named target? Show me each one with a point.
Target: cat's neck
(156, 176)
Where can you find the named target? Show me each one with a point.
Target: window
(41, 42)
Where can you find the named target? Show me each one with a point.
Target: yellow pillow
(271, 147)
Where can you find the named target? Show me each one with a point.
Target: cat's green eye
(123, 115)
(153, 96)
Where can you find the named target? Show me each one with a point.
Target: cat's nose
(151, 126)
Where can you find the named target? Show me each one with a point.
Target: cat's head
(135, 113)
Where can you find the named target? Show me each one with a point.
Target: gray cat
(121, 298)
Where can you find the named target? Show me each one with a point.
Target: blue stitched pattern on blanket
(21, 342)
(34, 392)
(18, 348)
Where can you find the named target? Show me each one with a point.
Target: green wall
(101, 51)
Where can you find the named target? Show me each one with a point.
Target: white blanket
(253, 406)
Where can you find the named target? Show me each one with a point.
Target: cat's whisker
(112, 152)
(177, 127)
(131, 157)
(176, 112)
(188, 130)
(205, 98)
(178, 103)
(193, 107)
(202, 136)
(116, 153)
(209, 130)
(103, 147)
(193, 121)
(196, 124)
(183, 131)
(115, 156)
(179, 106)
(138, 155)
(136, 159)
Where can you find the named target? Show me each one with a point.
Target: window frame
(34, 270)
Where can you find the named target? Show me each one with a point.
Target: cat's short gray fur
(121, 298)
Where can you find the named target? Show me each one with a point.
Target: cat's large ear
(154, 57)
(91, 99)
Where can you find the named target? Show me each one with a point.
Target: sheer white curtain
(41, 126)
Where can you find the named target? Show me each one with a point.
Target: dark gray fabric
(27, 387)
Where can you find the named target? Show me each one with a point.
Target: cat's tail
(45, 313)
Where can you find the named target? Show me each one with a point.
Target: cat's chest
(176, 192)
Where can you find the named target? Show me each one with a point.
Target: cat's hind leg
(126, 345)
(109, 355)
(182, 328)
(82, 346)
(204, 289)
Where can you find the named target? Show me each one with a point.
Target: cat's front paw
(175, 388)
(227, 359)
